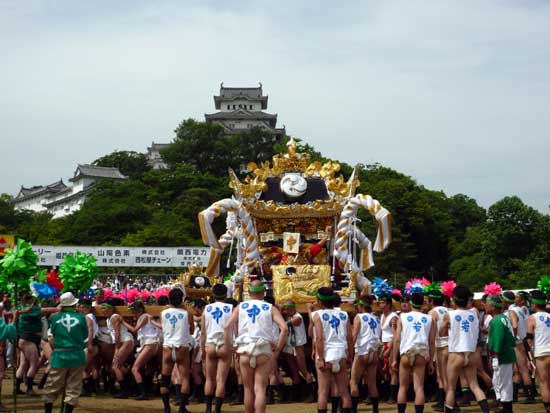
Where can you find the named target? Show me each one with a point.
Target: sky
(455, 94)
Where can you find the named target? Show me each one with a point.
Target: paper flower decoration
(43, 291)
(544, 285)
(107, 293)
(492, 289)
(145, 295)
(380, 287)
(78, 272)
(131, 295)
(89, 294)
(53, 280)
(432, 287)
(447, 288)
(396, 292)
(19, 265)
(160, 292)
(416, 285)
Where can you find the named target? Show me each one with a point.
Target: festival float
(293, 224)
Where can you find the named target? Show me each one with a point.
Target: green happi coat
(70, 331)
(501, 339)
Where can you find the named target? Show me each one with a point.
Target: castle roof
(53, 188)
(93, 171)
(242, 114)
(247, 93)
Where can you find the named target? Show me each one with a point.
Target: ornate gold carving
(270, 209)
(302, 286)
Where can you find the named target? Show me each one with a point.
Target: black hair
(85, 301)
(461, 295)
(417, 299)
(176, 296)
(162, 300)
(509, 295)
(137, 306)
(386, 299)
(114, 301)
(337, 300)
(269, 299)
(327, 292)
(436, 297)
(199, 303)
(538, 295)
(219, 291)
(232, 301)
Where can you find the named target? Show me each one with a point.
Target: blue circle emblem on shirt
(365, 318)
(180, 316)
(265, 307)
(458, 318)
(342, 316)
(424, 320)
(541, 318)
(471, 318)
(226, 309)
(441, 311)
(167, 316)
(410, 318)
(325, 317)
(245, 306)
(209, 309)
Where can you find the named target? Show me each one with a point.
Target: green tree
(129, 163)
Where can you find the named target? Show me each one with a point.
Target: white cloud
(452, 93)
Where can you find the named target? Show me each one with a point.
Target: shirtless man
(438, 311)
(538, 335)
(516, 311)
(462, 327)
(177, 327)
(216, 356)
(253, 322)
(415, 341)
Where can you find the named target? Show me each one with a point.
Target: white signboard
(50, 256)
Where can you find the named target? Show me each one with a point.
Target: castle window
(250, 107)
(234, 107)
(228, 107)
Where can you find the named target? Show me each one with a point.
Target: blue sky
(455, 94)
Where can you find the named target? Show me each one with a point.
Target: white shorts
(503, 383)
(104, 338)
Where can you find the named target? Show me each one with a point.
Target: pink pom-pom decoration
(492, 289)
(131, 295)
(447, 288)
(416, 285)
(396, 292)
(145, 294)
(107, 293)
(160, 292)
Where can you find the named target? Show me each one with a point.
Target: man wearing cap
(253, 322)
(501, 345)
(70, 331)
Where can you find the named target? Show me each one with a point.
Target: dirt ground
(104, 404)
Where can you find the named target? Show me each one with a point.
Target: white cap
(67, 300)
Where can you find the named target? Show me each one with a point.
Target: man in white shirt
(253, 322)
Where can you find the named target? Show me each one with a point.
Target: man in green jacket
(501, 346)
(70, 331)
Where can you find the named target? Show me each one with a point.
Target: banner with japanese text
(51, 256)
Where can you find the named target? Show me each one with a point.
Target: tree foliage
(434, 235)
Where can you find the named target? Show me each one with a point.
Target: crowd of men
(415, 347)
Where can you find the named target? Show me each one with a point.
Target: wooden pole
(14, 367)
